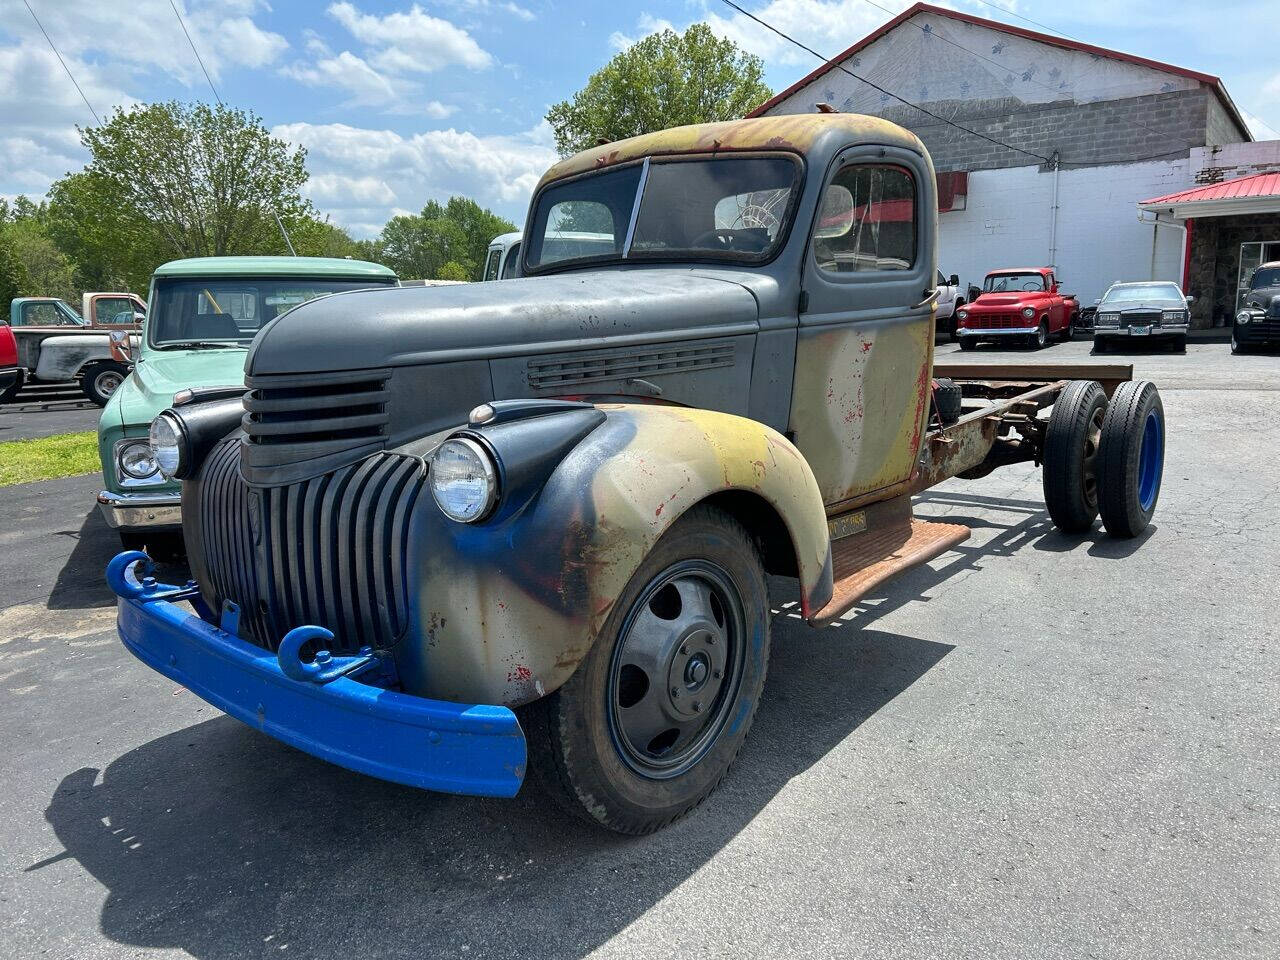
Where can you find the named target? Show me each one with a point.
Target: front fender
(507, 610)
(61, 358)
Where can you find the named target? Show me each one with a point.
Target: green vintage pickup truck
(203, 315)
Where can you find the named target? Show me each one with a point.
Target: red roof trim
(1254, 185)
(1061, 42)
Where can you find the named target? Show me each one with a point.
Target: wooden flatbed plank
(863, 562)
(1110, 375)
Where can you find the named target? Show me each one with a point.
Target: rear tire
(947, 396)
(1131, 458)
(101, 380)
(689, 665)
(1070, 456)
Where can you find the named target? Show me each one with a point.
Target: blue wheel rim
(1150, 460)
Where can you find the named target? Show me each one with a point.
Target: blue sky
(398, 103)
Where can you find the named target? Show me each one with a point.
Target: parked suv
(950, 299)
(1152, 309)
(1258, 322)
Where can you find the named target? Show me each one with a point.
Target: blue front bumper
(434, 744)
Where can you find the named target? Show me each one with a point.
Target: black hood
(407, 326)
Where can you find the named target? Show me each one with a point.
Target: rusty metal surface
(861, 404)
(864, 562)
(505, 614)
(796, 132)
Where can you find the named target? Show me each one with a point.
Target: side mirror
(1098, 301)
(121, 350)
(1190, 299)
(954, 280)
(835, 219)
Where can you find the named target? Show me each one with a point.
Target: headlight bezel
(489, 471)
(1106, 319)
(1028, 313)
(962, 313)
(126, 477)
(179, 444)
(1244, 317)
(1173, 316)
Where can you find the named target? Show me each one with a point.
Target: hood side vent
(600, 366)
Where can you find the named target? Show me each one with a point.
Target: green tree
(13, 275)
(192, 180)
(454, 235)
(665, 80)
(112, 248)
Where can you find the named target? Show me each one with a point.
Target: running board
(864, 561)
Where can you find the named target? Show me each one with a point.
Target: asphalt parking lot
(43, 411)
(1034, 746)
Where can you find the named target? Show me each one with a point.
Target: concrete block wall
(1099, 239)
(1107, 132)
(1213, 164)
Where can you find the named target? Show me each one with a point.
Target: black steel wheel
(651, 720)
(1131, 458)
(1071, 446)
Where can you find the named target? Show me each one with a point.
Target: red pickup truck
(1022, 304)
(8, 364)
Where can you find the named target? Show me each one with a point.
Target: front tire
(1040, 339)
(1131, 458)
(1071, 445)
(1236, 346)
(651, 720)
(101, 380)
(19, 382)
(968, 343)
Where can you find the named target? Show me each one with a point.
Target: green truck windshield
(228, 310)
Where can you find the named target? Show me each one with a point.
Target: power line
(199, 60)
(63, 62)
(887, 93)
(1042, 26)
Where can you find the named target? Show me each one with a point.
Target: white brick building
(1090, 133)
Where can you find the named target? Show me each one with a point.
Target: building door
(1253, 255)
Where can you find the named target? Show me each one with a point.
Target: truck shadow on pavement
(227, 844)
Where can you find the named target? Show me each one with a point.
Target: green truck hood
(159, 374)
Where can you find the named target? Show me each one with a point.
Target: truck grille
(996, 321)
(1140, 318)
(328, 551)
(290, 419)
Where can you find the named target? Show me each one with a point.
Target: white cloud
(347, 72)
(412, 41)
(490, 7)
(437, 110)
(828, 26)
(645, 26)
(364, 176)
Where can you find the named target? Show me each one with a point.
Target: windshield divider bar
(635, 209)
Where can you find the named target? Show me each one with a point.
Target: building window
(1252, 256)
(867, 221)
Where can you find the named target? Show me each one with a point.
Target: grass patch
(62, 455)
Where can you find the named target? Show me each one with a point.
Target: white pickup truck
(950, 297)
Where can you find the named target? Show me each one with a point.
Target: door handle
(928, 298)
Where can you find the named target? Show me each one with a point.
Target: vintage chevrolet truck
(1022, 305)
(58, 345)
(448, 532)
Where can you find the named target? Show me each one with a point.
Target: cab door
(864, 351)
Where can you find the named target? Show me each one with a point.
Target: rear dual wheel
(1102, 458)
(651, 720)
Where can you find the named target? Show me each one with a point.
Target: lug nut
(717, 674)
(697, 706)
(675, 693)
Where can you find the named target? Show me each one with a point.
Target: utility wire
(1042, 26)
(199, 60)
(63, 62)
(887, 93)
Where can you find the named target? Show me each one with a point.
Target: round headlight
(464, 480)
(136, 460)
(1243, 316)
(962, 313)
(1029, 312)
(166, 445)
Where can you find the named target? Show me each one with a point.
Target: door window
(867, 221)
(113, 310)
(44, 315)
(491, 265)
(509, 268)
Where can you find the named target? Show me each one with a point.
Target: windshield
(1012, 282)
(231, 310)
(735, 209)
(1265, 277)
(1143, 291)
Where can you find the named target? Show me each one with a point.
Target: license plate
(1139, 331)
